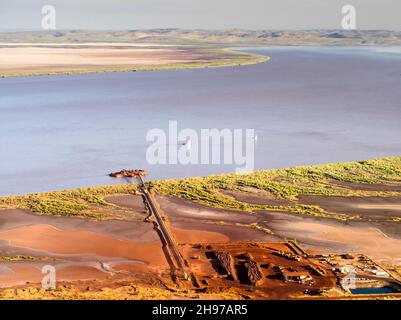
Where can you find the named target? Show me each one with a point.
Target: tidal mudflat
(105, 243)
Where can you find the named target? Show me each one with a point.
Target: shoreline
(244, 59)
(283, 196)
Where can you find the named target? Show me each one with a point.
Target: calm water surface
(381, 290)
(307, 106)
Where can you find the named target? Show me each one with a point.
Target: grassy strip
(126, 292)
(237, 59)
(22, 258)
(286, 184)
(84, 202)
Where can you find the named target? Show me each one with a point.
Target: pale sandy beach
(18, 59)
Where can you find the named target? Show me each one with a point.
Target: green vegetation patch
(289, 184)
(22, 258)
(125, 292)
(285, 184)
(84, 202)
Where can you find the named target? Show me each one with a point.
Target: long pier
(179, 267)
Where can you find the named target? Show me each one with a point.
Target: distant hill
(232, 37)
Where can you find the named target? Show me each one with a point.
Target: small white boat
(188, 144)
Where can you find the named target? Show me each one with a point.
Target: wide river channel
(307, 105)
